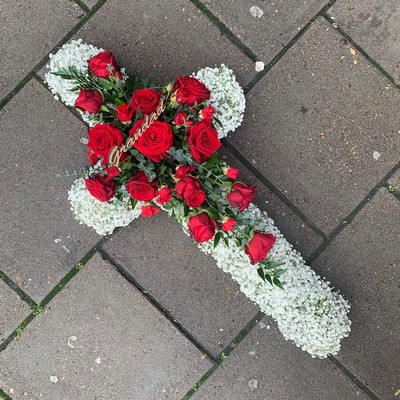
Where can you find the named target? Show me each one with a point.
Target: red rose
(112, 171)
(103, 65)
(189, 189)
(155, 140)
(190, 90)
(100, 187)
(149, 211)
(89, 100)
(181, 120)
(241, 195)
(165, 195)
(102, 138)
(259, 246)
(145, 99)
(207, 113)
(228, 225)
(183, 170)
(232, 173)
(93, 158)
(202, 227)
(140, 188)
(203, 141)
(124, 113)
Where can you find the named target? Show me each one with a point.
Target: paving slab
(164, 40)
(39, 237)
(277, 25)
(375, 26)
(266, 367)
(29, 31)
(363, 262)
(100, 339)
(395, 179)
(295, 230)
(12, 311)
(186, 282)
(322, 126)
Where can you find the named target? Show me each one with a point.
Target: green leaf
(217, 238)
(278, 283)
(105, 83)
(270, 264)
(119, 102)
(279, 272)
(261, 272)
(268, 278)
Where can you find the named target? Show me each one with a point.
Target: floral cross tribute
(155, 147)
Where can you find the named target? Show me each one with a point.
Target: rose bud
(104, 65)
(241, 195)
(164, 195)
(259, 246)
(93, 158)
(190, 90)
(203, 141)
(231, 173)
(189, 189)
(112, 172)
(124, 113)
(140, 188)
(202, 227)
(101, 188)
(147, 100)
(183, 170)
(180, 119)
(207, 113)
(149, 211)
(89, 100)
(228, 225)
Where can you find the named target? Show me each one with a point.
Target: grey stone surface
(29, 31)
(375, 26)
(12, 310)
(100, 339)
(266, 367)
(294, 229)
(164, 39)
(90, 3)
(395, 179)
(186, 282)
(363, 262)
(266, 35)
(313, 123)
(39, 237)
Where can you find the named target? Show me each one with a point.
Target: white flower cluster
(307, 310)
(74, 53)
(102, 217)
(227, 97)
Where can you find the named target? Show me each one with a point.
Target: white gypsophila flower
(307, 311)
(102, 217)
(74, 53)
(227, 97)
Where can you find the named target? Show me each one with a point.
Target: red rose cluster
(158, 123)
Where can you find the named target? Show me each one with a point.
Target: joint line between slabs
(353, 214)
(282, 197)
(250, 85)
(226, 31)
(56, 289)
(82, 5)
(130, 278)
(18, 290)
(359, 383)
(45, 59)
(371, 60)
(225, 353)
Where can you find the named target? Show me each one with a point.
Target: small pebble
(259, 66)
(98, 360)
(376, 155)
(53, 379)
(256, 11)
(253, 384)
